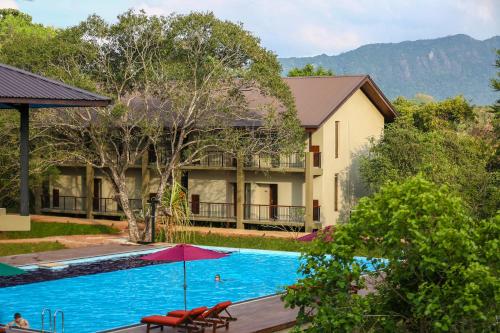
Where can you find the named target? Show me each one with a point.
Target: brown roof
(21, 87)
(318, 97)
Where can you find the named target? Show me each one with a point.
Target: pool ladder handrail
(55, 321)
(44, 311)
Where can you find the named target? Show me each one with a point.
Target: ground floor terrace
(220, 192)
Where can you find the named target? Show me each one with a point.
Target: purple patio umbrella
(184, 252)
(327, 233)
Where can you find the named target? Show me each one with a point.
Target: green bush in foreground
(441, 274)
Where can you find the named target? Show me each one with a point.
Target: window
(336, 193)
(337, 139)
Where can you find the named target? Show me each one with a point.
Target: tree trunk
(133, 228)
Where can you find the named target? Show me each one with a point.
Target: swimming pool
(106, 300)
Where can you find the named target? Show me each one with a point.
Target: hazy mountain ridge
(440, 67)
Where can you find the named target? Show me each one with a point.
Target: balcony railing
(285, 161)
(217, 159)
(79, 204)
(64, 202)
(221, 159)
(215, 210)
(317, 160)
(274, 213)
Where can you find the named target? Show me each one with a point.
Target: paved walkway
(256, 316)
(67, 254)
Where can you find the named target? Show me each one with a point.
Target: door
(195, 203)
(273, 201)
(315, 210)
(235, 198)
(248, 196)
(97, 194)
(55, 198)
(316, 156)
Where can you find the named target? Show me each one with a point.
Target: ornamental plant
(440, 272)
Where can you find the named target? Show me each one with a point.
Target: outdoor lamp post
(153, 202)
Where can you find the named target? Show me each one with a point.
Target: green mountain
(441, 67)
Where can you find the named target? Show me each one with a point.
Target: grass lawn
(20, 248)
(263, 243)
(248, 242)
(46, 229)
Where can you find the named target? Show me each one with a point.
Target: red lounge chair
(186, 321)
(211, 317)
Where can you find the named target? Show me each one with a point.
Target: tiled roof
(317, 97)
(21, 87)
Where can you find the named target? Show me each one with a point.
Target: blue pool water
(102, 301)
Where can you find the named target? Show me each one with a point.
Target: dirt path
(122, 225)
(74, 241)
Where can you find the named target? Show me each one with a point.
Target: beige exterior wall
(216, 186)
(359, 120)
(212, 185)
(71, 182)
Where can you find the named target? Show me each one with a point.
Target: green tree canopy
(438, 140)
(310, 70)
(439, 272)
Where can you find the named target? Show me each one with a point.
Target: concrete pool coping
(75, 254)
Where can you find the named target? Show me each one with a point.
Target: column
(146, 177)
(89, 179)
(24, 198)
(309, 192)
(240, 195)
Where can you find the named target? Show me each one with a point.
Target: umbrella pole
(185, 287)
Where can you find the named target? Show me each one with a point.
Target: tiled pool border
(82, 260)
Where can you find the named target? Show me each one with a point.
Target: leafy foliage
(309, 70)
(441, 141)
(441, 272)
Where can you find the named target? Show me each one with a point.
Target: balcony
(221, 160)
(278, 215)
(78, 205)
(213, 211)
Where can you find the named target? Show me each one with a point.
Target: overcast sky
(300, 27)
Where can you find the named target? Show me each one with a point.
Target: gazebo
(22, 90)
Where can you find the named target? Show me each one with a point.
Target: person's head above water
(17, 315)
(217, 277)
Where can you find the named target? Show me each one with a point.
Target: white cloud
(8, 4)
(324, 40)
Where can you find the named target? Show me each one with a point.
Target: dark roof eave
(12, 102)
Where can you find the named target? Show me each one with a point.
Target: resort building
(340, 114)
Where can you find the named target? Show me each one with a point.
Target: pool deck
(76, 253)
(262, 315)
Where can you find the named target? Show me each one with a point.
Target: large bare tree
(180, 85)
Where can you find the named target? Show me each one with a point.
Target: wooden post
(24, 159)
(240, 194)
(146, 177)
(309, 192)
(89, 179)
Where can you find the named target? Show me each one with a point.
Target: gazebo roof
(21, 87)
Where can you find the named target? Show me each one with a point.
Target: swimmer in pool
(217, 278)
